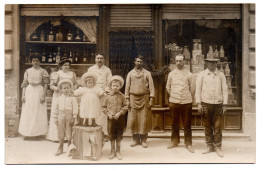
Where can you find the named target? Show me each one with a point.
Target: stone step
(229, 136)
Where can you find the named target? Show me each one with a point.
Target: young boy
(115, 107)
(66, 111)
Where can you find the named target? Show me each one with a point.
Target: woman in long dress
(34, 121)
(63, 73)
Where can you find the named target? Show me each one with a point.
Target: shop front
(158, 32)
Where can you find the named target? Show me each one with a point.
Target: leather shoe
(219, 152)
(144, 144)
(209, 149)
(172, 145)
(190, 148)
(59, 152)
(112, 155)
(135, 143)
(118, 155)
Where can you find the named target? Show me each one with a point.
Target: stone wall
(249, 74)
(11, 58)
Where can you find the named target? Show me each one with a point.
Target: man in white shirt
(103, 74)
(212, 97)
(180, 102)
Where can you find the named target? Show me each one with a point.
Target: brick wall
(249, 74)
(11, 58)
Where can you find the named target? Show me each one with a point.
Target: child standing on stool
(115, 107)
(66, 111)
(90, 108)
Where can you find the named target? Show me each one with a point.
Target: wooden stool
(88, 142)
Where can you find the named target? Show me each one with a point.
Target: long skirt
(53, 128)
(33, 120)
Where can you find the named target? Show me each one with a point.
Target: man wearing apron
(139, 93)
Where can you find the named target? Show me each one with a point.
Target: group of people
(102, 104)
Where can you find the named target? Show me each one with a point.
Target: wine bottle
(77, 38)
(58, 56)
(69, 36)
(59, 36)
(71, 57)
(43, 58)
(50, 58)
(92, 56)
(50, 35)
(76, 58)
(65, 56)
(85, 57)
(54, 58)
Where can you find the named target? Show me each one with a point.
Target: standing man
(212, 97)
(103, 75)
(139, 92)
(180, 102)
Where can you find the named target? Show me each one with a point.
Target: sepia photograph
(151, 83)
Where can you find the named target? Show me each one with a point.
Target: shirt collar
(215, 72)
(100, 67)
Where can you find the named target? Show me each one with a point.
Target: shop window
(200, 38)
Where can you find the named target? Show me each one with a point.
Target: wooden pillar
(103, 37)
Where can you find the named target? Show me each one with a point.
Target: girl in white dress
(90, 108)
(63, 73)
(34, 121)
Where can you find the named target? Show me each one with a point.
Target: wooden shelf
(58, 42)
(53, 64)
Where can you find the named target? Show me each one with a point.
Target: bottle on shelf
(58, 56)
(54, 58)
(210, 53)
(84, 60)
(227, 70)
(34, 37)
(71, 57)
(50, 58)
(43, 58)
(77, 37)
(42, 36)
(28, 59)
(221, 53)
(221, 68)
(69, 36)
(186, 54)
(50, 35)
(92, 57)
(76, 58)
(59, 36)
(216, 53)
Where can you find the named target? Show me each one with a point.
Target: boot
(118, 154)
(60, 149)
(172, 145)
(94, 122)
(113, 153)
(219, 152)
(135, 140)
(143, 141)
(208, 150)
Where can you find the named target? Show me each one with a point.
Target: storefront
(156, 31)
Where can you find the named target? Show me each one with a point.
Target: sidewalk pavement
(19, 151)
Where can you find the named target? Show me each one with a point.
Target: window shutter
(130, 16)
(201, 11)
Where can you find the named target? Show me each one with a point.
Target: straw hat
(64, 61)
(88, 75)
(66, 80)
(119, 78)
(211, 58)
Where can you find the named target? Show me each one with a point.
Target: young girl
(115, 107)
(63, 73)
(90, 108)
(33, 120)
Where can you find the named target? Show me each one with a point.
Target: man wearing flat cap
(139, 93)
(180, 102)
(212, 97)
